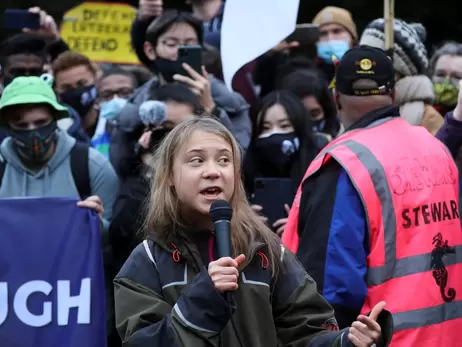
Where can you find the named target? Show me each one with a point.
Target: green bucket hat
(31, 90)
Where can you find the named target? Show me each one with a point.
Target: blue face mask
(110, 109)
(331, 48)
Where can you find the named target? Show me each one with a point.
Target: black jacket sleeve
(127, 218)
(264, 73)
(316, 209)
(451, 134)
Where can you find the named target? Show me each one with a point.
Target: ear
(336, 99)
(393, 95)
(149, 51)
(170, 181)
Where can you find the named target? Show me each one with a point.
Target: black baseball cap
(365, 62)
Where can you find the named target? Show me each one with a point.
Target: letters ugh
(65, 301)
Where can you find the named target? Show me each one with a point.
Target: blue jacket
(75, 128)
(334, 242)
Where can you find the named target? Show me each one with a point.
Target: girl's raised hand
(366, 332)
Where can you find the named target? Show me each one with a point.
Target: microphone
(152, 112)
(221, 213)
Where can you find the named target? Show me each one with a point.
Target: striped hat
(410, 55)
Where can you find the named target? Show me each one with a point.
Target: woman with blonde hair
(173, 289)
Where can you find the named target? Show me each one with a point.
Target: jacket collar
(185, 242)
(375, 115)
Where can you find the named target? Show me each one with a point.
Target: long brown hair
(163, 219)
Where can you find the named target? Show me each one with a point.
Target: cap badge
(365, 64)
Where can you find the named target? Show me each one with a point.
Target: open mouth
(211, 191)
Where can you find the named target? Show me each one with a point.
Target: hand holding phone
(280, 224)
(20, 19)
(305, 34)
(285, 45)
(150, 8)
(48, 26)
(195, 75)
(273, 195)
(34, 20)
(191, 55)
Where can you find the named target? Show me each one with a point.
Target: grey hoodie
(234, 114)
(55, 179)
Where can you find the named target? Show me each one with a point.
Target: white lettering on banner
(65, 302)
(3, 308)
(81, 301)
(20, 303)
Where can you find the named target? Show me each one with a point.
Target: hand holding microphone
(223, 272)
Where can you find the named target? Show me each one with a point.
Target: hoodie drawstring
(46, 181)
(176, 256)
(264, 260)
(24, 184)
(176, 253)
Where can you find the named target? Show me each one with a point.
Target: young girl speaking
(171, 291)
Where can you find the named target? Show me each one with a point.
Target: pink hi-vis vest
(408, 184)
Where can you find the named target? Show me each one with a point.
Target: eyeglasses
(173, 43)
(110, 94)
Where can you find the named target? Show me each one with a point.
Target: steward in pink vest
(376, 216)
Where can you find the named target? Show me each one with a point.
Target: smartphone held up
(14, 19)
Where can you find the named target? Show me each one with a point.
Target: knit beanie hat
(410, 55)
(337, 15)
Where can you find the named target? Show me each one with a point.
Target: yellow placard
(101, 31)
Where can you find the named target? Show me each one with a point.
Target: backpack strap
(80, 170)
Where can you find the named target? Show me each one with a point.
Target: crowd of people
(326, 160)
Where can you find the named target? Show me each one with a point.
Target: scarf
(412, 93)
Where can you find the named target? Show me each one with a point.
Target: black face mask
(167, 68)
(34, 145)
(319, 125)
(278, 148)
(156, 137)
(80, 99)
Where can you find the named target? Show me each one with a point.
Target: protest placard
(101, 31)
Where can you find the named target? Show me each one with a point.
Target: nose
(211, 171)
(31, 126)
(331, 36)
(174, 55)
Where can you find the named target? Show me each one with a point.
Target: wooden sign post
(389, 16)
